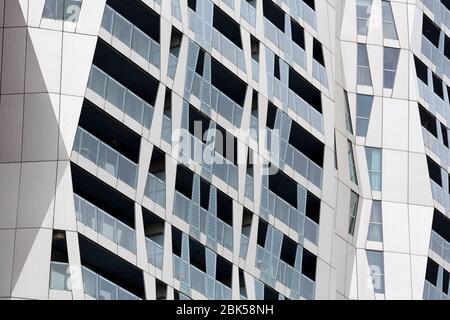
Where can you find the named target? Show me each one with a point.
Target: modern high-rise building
(224, 149)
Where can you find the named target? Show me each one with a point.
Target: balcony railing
(131, 36)
(166, 133)
(305, 111)
(248, 13)
(228, 49)
(59, 276)
(220, 102)
(182, 208)
(154, 253)
(172, 67)
(98, 152)
(295, 159)
(105, 224)
(320, 73)
(249, 187)
(244, 246)
(440, 246)
(225, 170)
(155, 189)
(101, 288)
(224, 234)
(120, 97)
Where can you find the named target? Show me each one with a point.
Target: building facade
(224, 149)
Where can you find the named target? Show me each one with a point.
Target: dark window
(431, 31)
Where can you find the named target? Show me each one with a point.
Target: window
(376, 223)
(354, 199)
(348, 118)
(363, 110)
(363, 9)
(363, 72)
(389, 30)
(67, 10)
(373, 156)
(376, 267)
(351, 163)
(390, 66)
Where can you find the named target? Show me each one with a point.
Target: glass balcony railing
(105, 224)
(166, 132)
(154, 253)
(98, 152)
(182, 206)
(224, 234)
(311, 231)
(176, 9)
(440, 246)
(59, 276)
(225, 170)
(155, 189)
(299, 55)
(435, 103)
(226, 107)
(228, 49)
(431, 142)
(199, 283)
(222, 292)
(229, 3)
(320, 73)
(220, 103)
(296, 160)
(305, 111)
(285, 275)
(309, 15)
(254, 128)
(307, 288)
(440, 195)
(120, 97)
(255, 70)
(172, 68)
(101, 288)
(430, 292)
(249, 187)
(248, 13)
(131, 36)
(244, 246)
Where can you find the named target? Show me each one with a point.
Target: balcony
(105, 157)
(199, 280)
(166, 131)
(244, 246)
(228, 49)
(120, 97)
(155, 253)
(248, 13)
(105, 224)
(305, 111)
(59, 276)
(101, 288)
(155, 190)
(433, 100)
(249, 187)
(295, 159)
(220, 102)
(440, 246)
(225, 170)
(131, 36)
(430, 292)
(320, 73)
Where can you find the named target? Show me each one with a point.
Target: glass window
(376, 223)
(67, 10)
(376, 267)
(363, 110)
(363, 9)
(363, 72)
(389, 30)
(348, 118)
(354, 199)
(391, 56)
(373, 156)
(351, 163)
